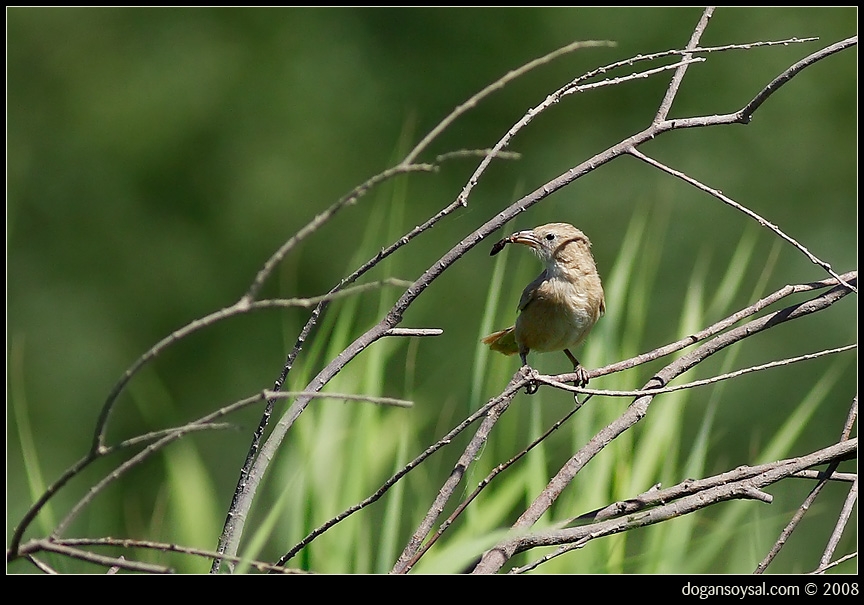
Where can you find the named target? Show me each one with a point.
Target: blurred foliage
(157, 157)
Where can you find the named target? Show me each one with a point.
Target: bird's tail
(503, 341)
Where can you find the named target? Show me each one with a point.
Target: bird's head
(552, 242)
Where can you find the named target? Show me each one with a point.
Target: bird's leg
(581, 373)
(532, 386)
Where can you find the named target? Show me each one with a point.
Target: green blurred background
(157, 157)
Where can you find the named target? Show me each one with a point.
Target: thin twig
(468, 456)
(843, 559)
(472, 153)
(819, 475)
(179, 432)
(559, 382)
(840, 526)
(796, 519)
(656, 496)
(851, 497)
(747, 112)
(730, 202)
(414, 332)
(321, 219)
(497, 85)
(138, 458)
(678, 77)
(400, 403)
(714, 329)
(747, 488)
(551, 100)
(42, 566)
(244, 305)
(46, 545)
(40, 545)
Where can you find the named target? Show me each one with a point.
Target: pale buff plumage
(559, 308)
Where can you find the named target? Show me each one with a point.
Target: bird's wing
(530, 291)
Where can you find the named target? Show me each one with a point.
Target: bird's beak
(525, 237)
(520, 237)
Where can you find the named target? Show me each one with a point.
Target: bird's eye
(550, 236)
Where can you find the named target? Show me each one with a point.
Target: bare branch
(666, 103)
(843, 559)
(482, 485)
(845, 514)
(655, 496)
(747, 112)
(716, 328)
(414, 332)
(322, 218)
(68, 543)
(41, 565)
(730, 202)
(125, 466)
(471, 153)
(559, 381)
(401, 403)
(242, 306)
(819, 475)
(551, 100)
(468, 456)
(747, 488)
(497, 85)
(811, 497)
(83, 555)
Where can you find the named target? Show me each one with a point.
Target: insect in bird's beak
(527, 238)
(499, 246)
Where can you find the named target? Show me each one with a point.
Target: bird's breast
(559, 314)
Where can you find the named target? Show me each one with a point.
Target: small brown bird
(559, 308)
